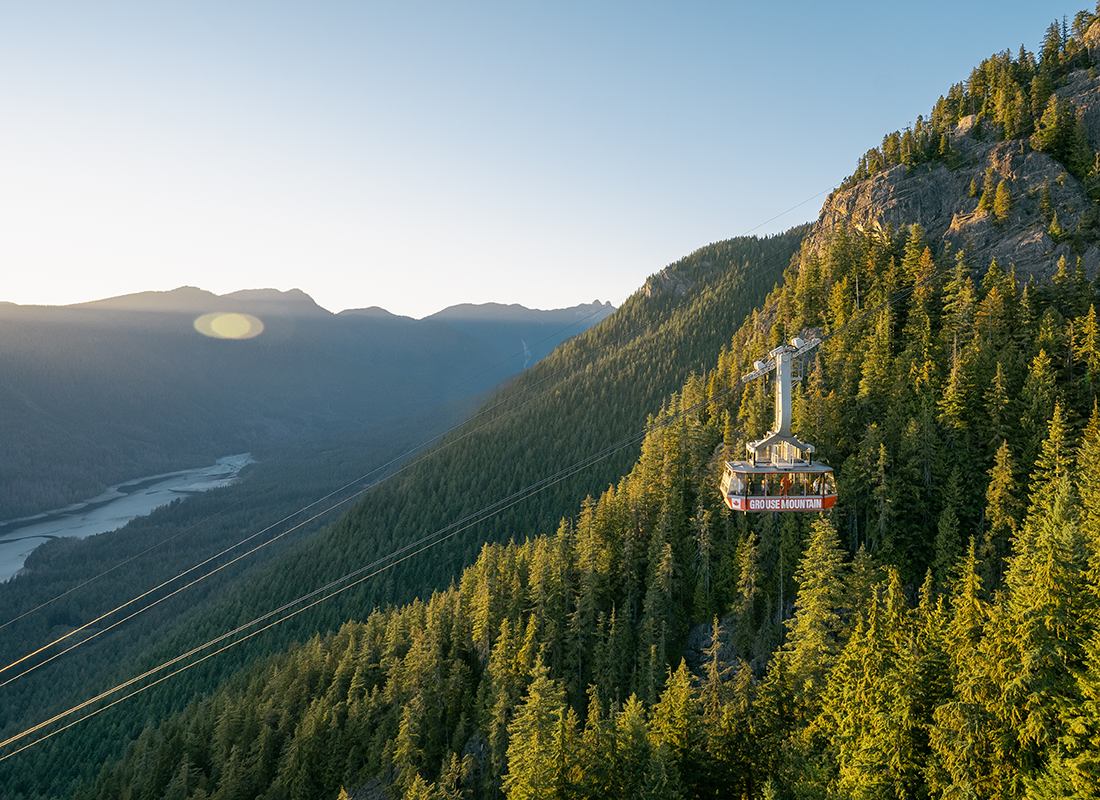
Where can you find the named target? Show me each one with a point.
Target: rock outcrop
(667, 281)
(939, 198)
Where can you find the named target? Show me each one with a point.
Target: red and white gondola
(779, 476)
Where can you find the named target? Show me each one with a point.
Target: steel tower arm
(781, 359)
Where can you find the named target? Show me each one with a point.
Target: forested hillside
(936, 635)
(553, 415)
(1004, 163)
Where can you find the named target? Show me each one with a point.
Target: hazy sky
(413, 155)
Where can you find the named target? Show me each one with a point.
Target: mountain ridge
(102, 392)
(609, 378)
(935, 636)
(953, 161)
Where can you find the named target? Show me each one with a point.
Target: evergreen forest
(936, 635)
(546, 416)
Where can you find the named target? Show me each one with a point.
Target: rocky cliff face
(939, 198)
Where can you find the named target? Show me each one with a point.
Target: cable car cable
(124, 562)
(661, 318)
(285, 519)
(151, 605)
(194, 525)
(631, 334)
(423, 544)
(238, 502)
(752, 268)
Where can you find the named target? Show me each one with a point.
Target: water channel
(110, 510)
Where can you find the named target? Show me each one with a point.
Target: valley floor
(110, 510)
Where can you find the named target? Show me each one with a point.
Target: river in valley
(110, 510)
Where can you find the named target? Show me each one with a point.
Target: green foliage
(1008, 98)
(865, 651)
(541, 743)
(1055, 231)
(596, 390)
(1046, 208)
(1002, 202)
(815, 630)
(934, 635)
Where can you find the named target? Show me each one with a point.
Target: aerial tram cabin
(779, 475)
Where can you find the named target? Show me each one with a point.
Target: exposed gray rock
(1083, 90)
(939, 198)
(667, 281)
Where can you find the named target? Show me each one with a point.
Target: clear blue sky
(413, 155)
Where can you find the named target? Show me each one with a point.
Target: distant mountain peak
(292, 301)
(272, 295)
(371, 311)
(183, 298)
(515, 311)
(193, 300)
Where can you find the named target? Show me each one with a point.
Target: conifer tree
(595, 761)
(1001, 516)
(1049, 618)
(1002, 202)
(1081, 157)
(985, 202)
(408, 754)
(815, 633)
(1009, 690)
(185, 777)
(960, 299)
(883, 510)
(632, 749)
(453, 777)
(954, 404)
(1053, 464)
(506, 669)
(1064, 289)
(882, 692)
(1087, 478)
(851, 715)
(712, 691)
(1074, 767)
(1055, 231)
(419, 789)
(969, 611)
(538, 742)
(1054, 133)
(663, 780)
(1089, 351)
(1041, 89)
(971, 749)
(703, 563)
(1046, 207)
(994, 311)
(997, 422)
(1082, 292)
(948, 539)
(745, 607)
(1037, 401)
(915, 245)
(675, 725)
(876, 380)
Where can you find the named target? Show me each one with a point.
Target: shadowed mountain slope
(98, 393)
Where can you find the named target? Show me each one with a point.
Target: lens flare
(221, 325)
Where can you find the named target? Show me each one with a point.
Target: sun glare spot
(221, 325)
